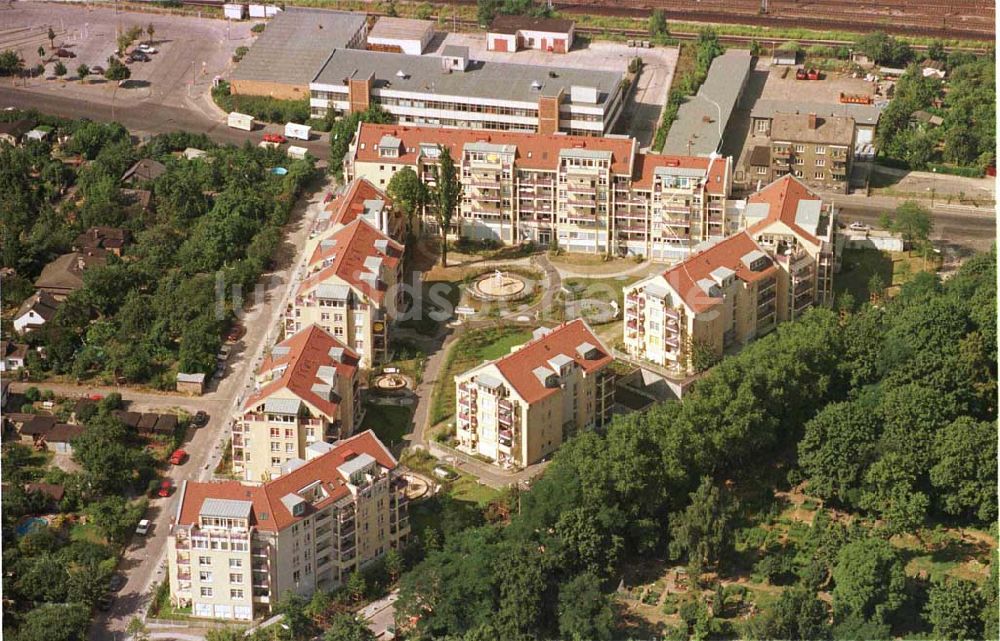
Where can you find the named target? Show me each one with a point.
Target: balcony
(183, 576)
(670, 312)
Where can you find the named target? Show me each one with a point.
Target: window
(820, 149)
(236, 578)
(821, 162)
(275, 446)
(761, 170)
(289, 433)
(819, 175)
(206, 592)
(205, 577)
(235, 563)
(289, 447)
(236, 594)
(296, 576)
(760, 126)
(310, 432)
(800, 149)
(275, 460)
(204, 560)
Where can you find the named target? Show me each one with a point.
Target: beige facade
(351, 289)
(520, 408)
(774, 270)
(586, 194)
(307, 391)
(818, 150)
(234, 549)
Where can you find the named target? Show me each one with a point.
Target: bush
(262, 108)
(32, 394)
(239, 53)
(258, 28)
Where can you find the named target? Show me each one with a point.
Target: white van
(299, 132)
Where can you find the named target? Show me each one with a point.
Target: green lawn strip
(473, 348)
(389, 422)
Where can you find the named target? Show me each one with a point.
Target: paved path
(144, 560)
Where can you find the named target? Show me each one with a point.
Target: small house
(166, 425)
(12, 132)
(147, 423)
(34, 312)
(513, 33)
(12, 356)
(145, 170)
(36, 429)
(787, 58)
(191, 383)
(59, 439)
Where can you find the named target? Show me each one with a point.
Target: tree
(10, 63)
(41, 52)
(409, 194)
(150, 30)
(884, 49)
(117, 70)
(704, 530)
(59, 69)
(658, 23)
(935, 50)
(82, 72)
(444, 195)
(347, 627)
(296, 625)
(991, 612)
(52, 38)
(55, 622)
(965, 470)
(868, 581)
(115, 517)
(356, 585)
(393, 564)
(585, 612)
(954, 607)
(911, 220)
(486, 11)
(797, 615)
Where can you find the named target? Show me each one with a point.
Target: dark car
(97, 70)
(65, 53)
(200, 419)
(139, 56)
(104, 603)
(118, 582)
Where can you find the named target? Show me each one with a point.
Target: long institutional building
(737, 289)
(235, 549)
(521, 407)
(593, 194)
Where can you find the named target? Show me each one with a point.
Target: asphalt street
(973, 230)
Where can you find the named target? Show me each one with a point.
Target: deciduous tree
(444, 195)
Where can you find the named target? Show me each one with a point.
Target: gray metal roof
(401, 28)
(751, 257)
(862, 114)
(296, 43)
(584, 348)
(657, 290)
(722, 273)
(807, 214)
(559, 360)
(683, 172)
(226, 509)
(455, 51)
(190, 378)
(336, 353)
(593, 154)
(757, 210)
(483, 80)
(542, 374)
(489, 381)
(282, 405)
(355, 465)
(334, 292)
(702, 119)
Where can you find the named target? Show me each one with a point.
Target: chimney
(812, 121)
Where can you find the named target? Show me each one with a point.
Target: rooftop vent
(402, 74)
(537, 86)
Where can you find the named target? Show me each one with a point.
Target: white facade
(28, 321)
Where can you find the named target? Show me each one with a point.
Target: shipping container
(298, 153)
(300, 132)
(241, 121)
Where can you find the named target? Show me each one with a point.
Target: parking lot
(640, 117)
(191, 51)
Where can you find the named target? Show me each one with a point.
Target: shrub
(258, 28)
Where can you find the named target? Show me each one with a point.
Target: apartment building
(453, 90)
(586, 194)
(350, 289)
(234, 549)
(737, 289)
(307, 391)
(818, 150)
(520, 408)
(361, 199)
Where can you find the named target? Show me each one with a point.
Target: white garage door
(223, 612)
(865, 136)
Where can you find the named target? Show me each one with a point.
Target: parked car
(97, 70)
(858, 226)
(105, 601)
(118, 582)
(128, 60)
(200, 419)
(139, 56)
(145, 48)
(65, 53)
(166, 487)
(143, 528)
(178, 457)
(275, 138)
(96, 397)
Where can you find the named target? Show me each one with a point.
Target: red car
(166, 488)
(95, 397)
(276, 138)
(178, 457)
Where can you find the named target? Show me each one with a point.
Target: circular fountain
(500, 286)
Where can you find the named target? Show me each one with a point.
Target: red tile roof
(716, 182)
(518, 367)
(268, 512)
(534, 151)
(345, 208)
(782, 197)
(346, 250)
(308, 350)
(684, 276)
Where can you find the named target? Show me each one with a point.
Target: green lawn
(473, 348)
(895, 268)
(605, 289)
(86, 532)
(389, 422)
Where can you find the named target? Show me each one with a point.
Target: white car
(143, 528)
(856, 226)
(145, 48)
